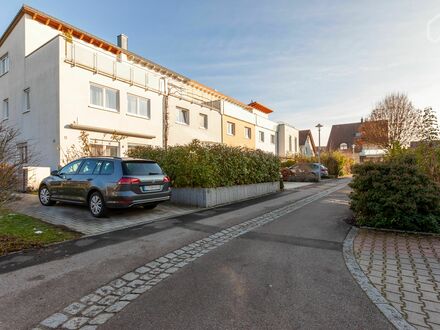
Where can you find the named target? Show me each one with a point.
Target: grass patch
(19, 232)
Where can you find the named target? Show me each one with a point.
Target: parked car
(107, 182)
(309, 169)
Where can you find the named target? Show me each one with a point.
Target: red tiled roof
(260, 107)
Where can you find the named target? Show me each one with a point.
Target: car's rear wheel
(96, 205)
(44, 196)
(150, 206)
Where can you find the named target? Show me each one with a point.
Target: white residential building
(288, 137)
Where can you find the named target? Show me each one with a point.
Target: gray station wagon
(107, 182)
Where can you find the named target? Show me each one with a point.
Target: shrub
(212, 165)
(395, 194)
(337, 163)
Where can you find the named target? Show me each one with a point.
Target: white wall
(235, 111)
(284, 132)
(269, 128)
(182, 134)
(39, 72)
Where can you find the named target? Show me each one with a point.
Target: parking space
(78, 218)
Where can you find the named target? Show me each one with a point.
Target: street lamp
(319, 150)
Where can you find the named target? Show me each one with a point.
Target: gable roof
(343, 133)
(302, 138)
(73, 31)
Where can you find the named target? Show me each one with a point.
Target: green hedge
(395, 194)
(212, 165)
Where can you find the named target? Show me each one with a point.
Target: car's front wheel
(44, 196)
(96, 205)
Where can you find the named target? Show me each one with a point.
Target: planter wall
(208, 197)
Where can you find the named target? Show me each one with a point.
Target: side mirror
(54, 173)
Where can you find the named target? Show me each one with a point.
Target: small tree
(403, 120)
(429, 126)
(11, 163)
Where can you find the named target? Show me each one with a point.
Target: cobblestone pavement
(405, 268)
(78, 218)
(99, 306)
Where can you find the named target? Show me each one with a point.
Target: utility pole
(319, 150)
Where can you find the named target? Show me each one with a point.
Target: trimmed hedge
(212, 165)
(395, 194)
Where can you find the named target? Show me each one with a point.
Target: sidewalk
(405, 268)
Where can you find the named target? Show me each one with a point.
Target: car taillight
(166, 179)
(124, 180)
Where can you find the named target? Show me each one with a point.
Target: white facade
(287, 140)
(307, 148)
(266, 133)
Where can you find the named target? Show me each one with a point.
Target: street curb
(375, 296)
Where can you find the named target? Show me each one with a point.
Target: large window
(230, 128)
(5, 109)
(261, 135)
(4, 64)
(203, 121)
(138, 106)
(182, 116)
(104, 97)
(27, 100)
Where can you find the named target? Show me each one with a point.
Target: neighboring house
(346, 139)
(288, 138)
(266, 129)
(306, 143)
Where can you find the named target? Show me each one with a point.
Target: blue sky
(311, 61)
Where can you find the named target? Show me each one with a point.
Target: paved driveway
(78, 218)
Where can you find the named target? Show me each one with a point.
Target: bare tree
(403, 120)
(11, 163)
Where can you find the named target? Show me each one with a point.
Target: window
(23, 152)
(103, 150)
(296, 144)
(107, 168)
(261, 135)
(290, 142)
(97, 167)
(4, 64)
(27, 100)
(141, 168)
(343, 146)
(5, 109)
(247, 132)
(71, 168)
(88, 167)
(272, 138)
(203, 121)
(138, 106)
(104, 97)
(230, 128)
(182, 116)
(133, 146)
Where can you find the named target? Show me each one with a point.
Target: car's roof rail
(111, 157)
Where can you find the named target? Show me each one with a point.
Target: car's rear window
(141, 168)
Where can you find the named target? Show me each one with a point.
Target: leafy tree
(429, 126)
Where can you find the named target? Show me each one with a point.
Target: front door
(68, 175)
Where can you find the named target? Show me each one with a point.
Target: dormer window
(343, 146)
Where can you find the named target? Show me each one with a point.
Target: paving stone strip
(405, 269)
(99, 306)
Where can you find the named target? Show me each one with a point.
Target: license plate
(151, 188)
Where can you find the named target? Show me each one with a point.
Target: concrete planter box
(208, 197)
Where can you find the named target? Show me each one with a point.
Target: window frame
(5, 109)
(343, 144)
(232, 125)
(104, 105)
(26, 100)
(80, 161)
(84, 163)
(247, 129)
(183, 110)
(4, 62)
(261, 137)
(102, 166)
(205, 121)
(272, 139)
(138, 99)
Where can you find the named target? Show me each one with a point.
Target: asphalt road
(288, 274)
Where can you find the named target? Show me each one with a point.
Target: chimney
(362, 120)
(123, 41)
